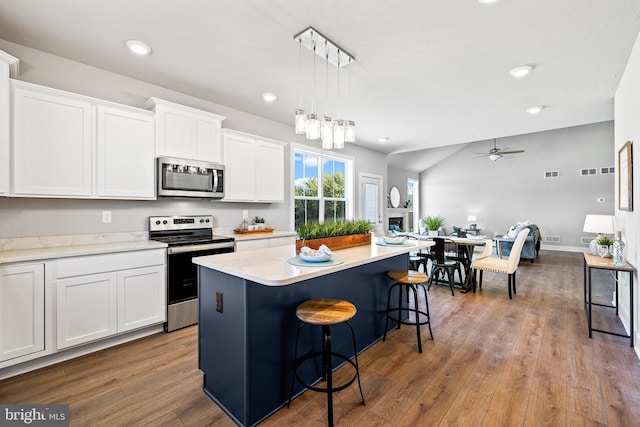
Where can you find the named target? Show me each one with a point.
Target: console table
(595, 262)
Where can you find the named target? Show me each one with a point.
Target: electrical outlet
(245, 214)
(219, 302)
(600, 199)
(106, 217)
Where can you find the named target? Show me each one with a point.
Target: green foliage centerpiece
(335, 235)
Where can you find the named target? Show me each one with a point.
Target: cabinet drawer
(91, 264)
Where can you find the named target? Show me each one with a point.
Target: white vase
(433, 233)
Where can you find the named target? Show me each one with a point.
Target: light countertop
(43, 253)
(259, 236)
(270, 267)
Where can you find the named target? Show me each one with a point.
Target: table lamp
(601, 224)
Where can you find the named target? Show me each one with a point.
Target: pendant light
(349, 125)
(326, 128)
(313, 125)
(300, 118)
(338, 126)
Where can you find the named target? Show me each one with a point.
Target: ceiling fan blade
(477, 157)
(512, 152)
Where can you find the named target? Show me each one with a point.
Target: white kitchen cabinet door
(52, 144)
(141, 297)
(270, 171)
(240, 167)
(186, 132)
(125, 154)
(21, 310)
(282, 241)
(6, 63)
(86, 308)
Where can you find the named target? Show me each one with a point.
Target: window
(321, 187)
(413, 204)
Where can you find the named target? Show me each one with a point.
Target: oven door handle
(199, 248)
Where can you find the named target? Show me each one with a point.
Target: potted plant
(433, 223)
(259, 221)
(605, 241)
(335, 235)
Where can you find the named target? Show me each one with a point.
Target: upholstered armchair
(531, 246)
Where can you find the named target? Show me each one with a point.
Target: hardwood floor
(494, 362)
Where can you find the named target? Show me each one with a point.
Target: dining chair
(441, 265)
(507, 266)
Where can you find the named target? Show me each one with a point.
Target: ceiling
(427, 73)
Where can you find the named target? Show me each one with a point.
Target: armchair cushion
(531, 246)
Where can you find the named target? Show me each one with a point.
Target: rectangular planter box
(335, 243)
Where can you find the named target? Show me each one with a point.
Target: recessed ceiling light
(269, 96)
(384, 139)
(535, 110)
(138, 47)
(521, 71)
(488, 1)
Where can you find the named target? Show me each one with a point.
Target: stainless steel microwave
(190, 178)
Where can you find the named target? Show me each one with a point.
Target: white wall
(514, 189)
(45, 217)
(627, 128)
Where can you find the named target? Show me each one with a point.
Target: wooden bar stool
(326, 312)
(408, 280)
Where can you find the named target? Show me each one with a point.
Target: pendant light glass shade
(301, 122)
(338, 134)
(326, 131)
(313, 127)
(349, 131)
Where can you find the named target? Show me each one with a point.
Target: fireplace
(396, 223)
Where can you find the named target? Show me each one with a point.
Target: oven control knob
(157, 222)
(201, 220)
(206, 220)
(164, 222)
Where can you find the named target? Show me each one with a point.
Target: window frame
(349, 178)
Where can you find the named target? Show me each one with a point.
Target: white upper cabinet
(8, 67)
(72, 146)
(186, 132)
(254, 168)
(52, 143)
(125, 153)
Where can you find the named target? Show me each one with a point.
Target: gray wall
(514, 189)
(45, 217)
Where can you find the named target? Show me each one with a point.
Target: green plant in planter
(333, 229)
(433, 223)
(604, 241)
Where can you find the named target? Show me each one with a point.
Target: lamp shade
(601, 224)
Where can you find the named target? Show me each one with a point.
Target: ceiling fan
(495, 153)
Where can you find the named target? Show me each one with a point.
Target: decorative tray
(264, 230)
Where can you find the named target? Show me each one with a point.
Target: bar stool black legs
(408, 280)
(326, 312)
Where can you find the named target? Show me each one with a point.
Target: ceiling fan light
(494, 157)
(521, 71)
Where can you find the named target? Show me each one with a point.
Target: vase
(433, 233)
(334, 243)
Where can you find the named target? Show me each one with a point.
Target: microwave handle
(215, 180)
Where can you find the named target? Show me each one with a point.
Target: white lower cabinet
(103, 295)
(22, 310)
(271, 242)
(86, 309)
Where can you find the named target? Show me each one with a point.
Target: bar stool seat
(408, 280)
(326, 312)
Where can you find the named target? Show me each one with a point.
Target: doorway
(371, 201)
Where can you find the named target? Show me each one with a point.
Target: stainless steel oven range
(187, 237)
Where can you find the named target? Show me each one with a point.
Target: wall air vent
(588, 171)
(551, 174)
(607, 171)
(552, 239)
(585, 240)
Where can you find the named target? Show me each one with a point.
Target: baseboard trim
(563, 248)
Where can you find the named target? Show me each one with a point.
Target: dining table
(465, 247)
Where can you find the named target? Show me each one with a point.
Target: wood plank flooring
(494, 362)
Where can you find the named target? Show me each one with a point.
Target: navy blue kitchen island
(247, 320)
